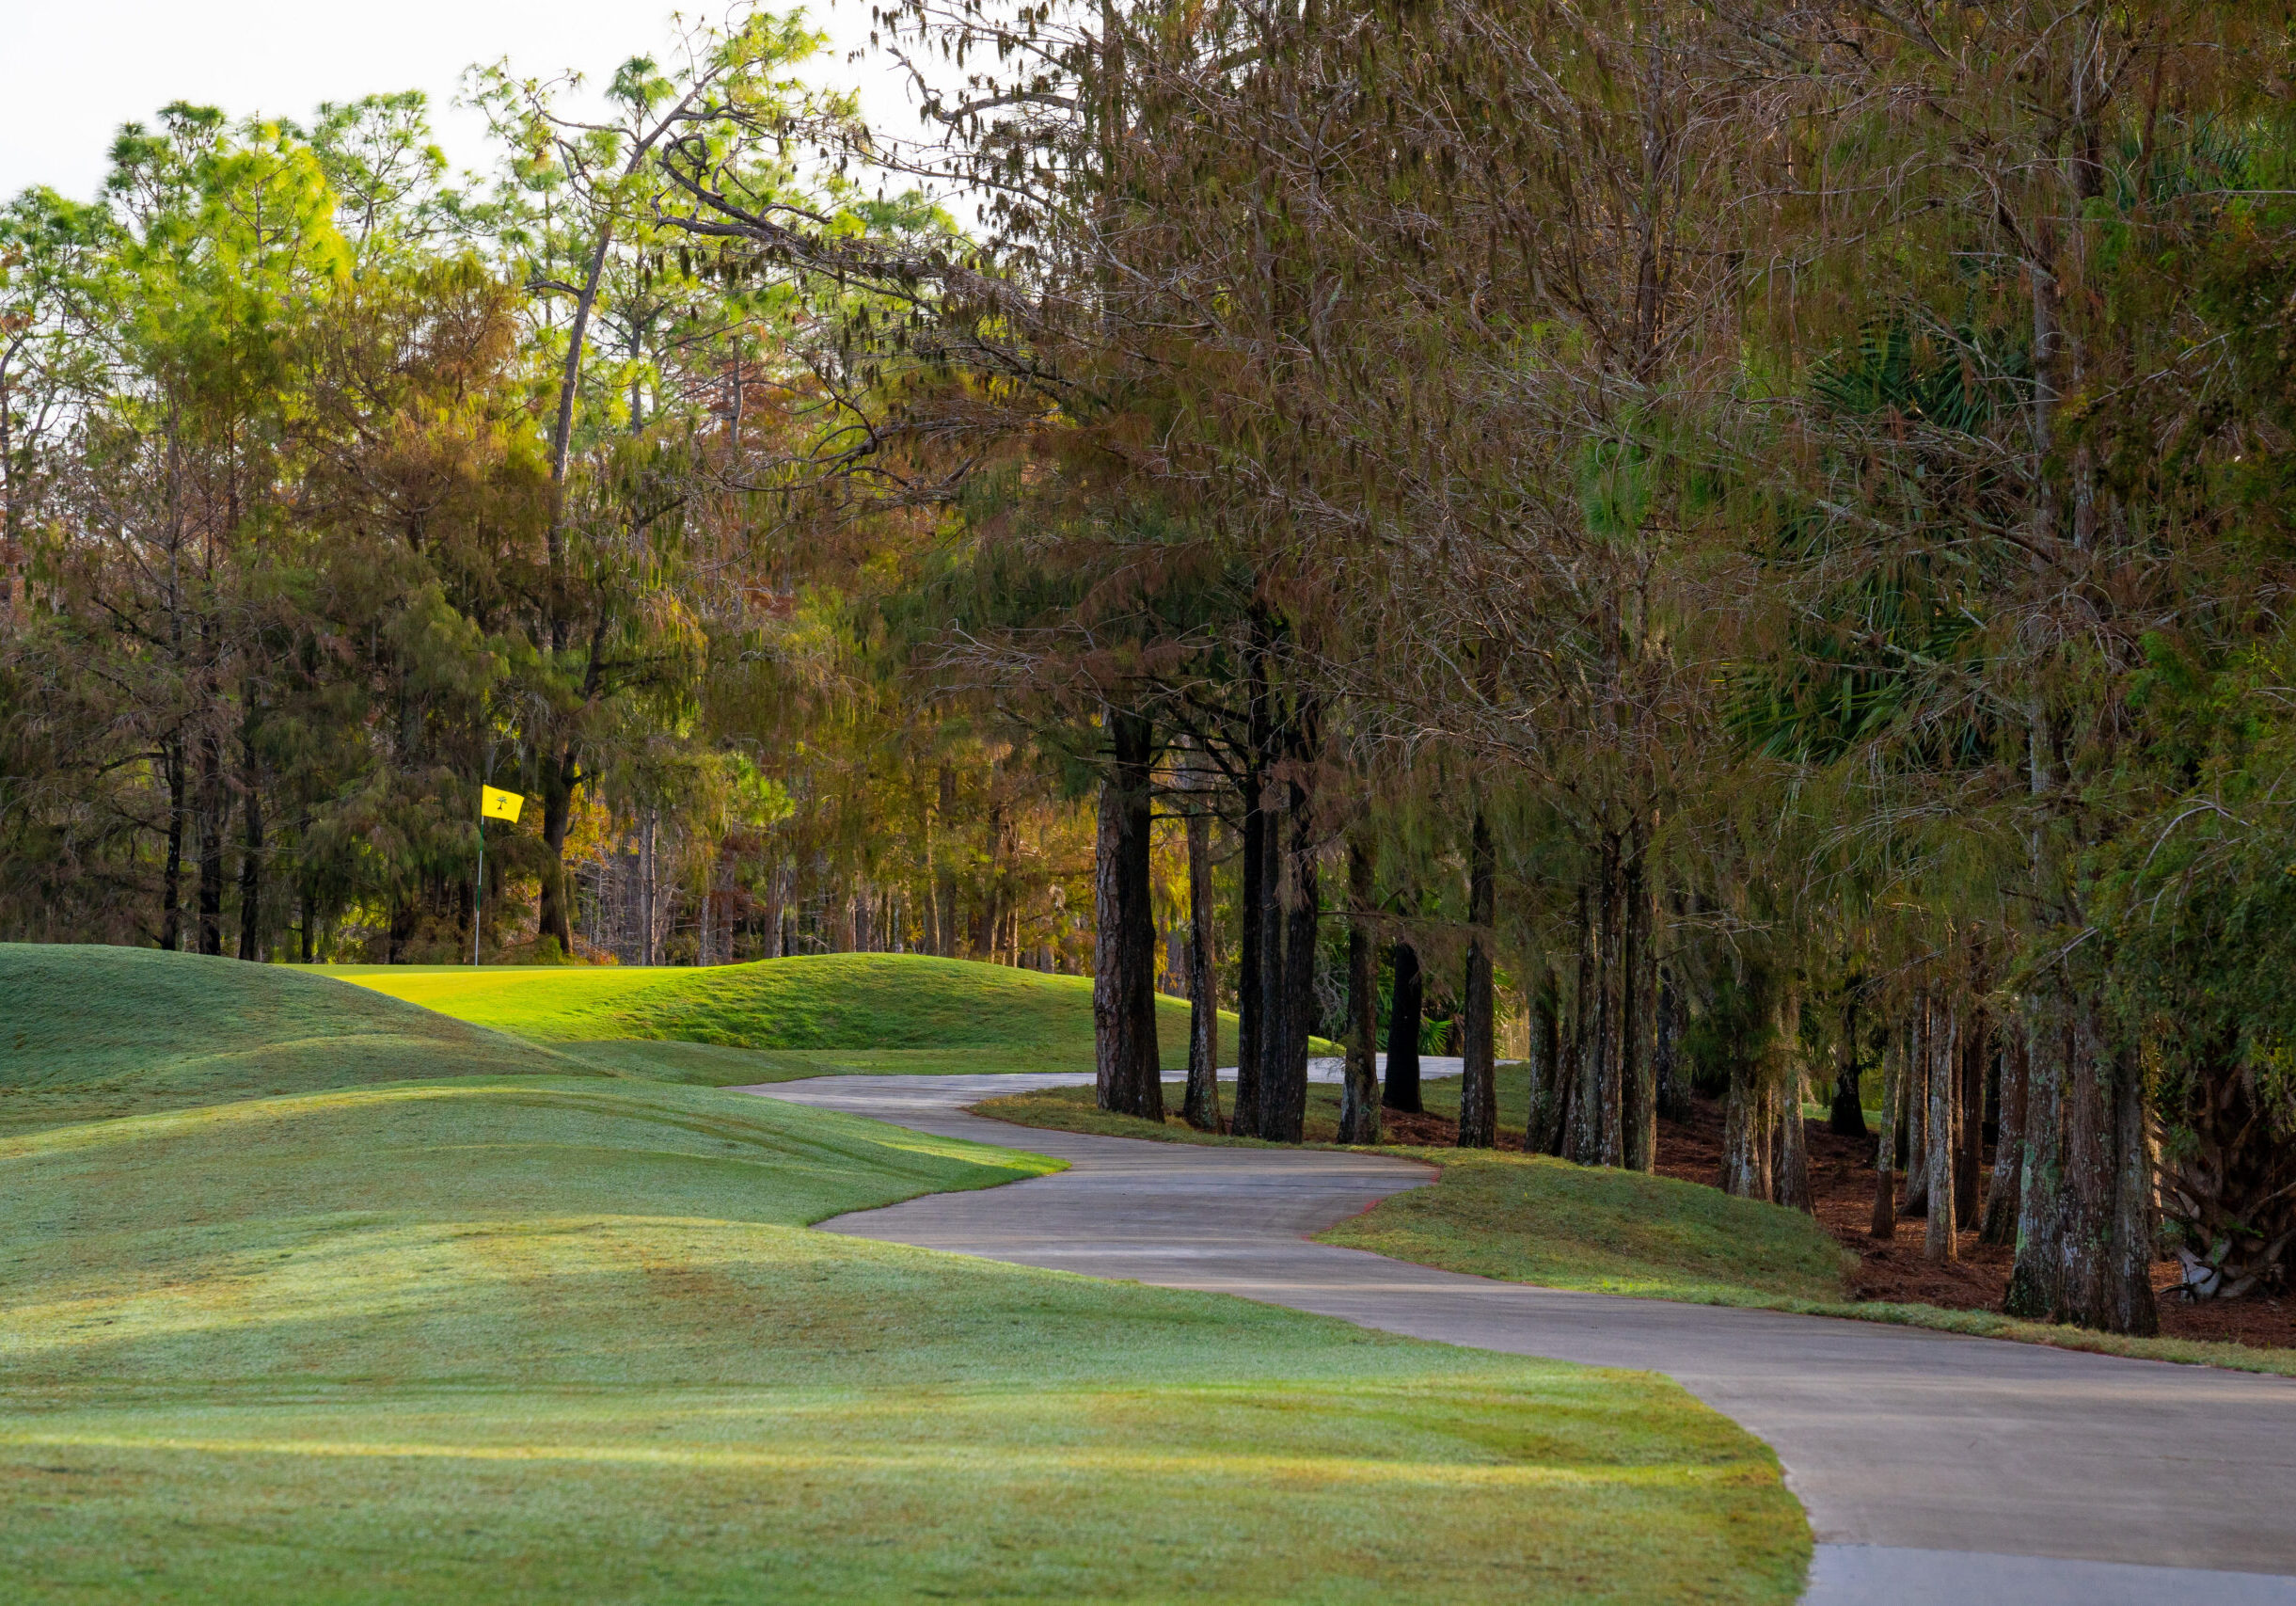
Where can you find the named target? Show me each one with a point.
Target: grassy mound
(489, 1339)
(837, 1011)
(94, 1032)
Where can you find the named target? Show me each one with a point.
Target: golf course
(313, 1292)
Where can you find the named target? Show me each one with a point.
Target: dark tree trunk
(1404, 1016)
(1918, 1070)
(1548, 1085)
(1478, 1081)
(254, 940)
(559, 776)
(2002, 1190)
(1885, 1155)
(171, 891)
(1790, 1165)
(1283, 1119)
(1582, 1114)
(1847, 1116)
(2039, 1272)
(1639, 1017)
(1610, 974)
(1359, 1096)
(1124, 923)
(1968, 1126)
(305, 935)
(944, 884)
(1746, 1123)
(1275, 991)
(2106, 1200)
(1939, 1242)
(214, 816)
(1250, 1002)
(1201, 1108)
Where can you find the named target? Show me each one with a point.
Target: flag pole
(477, 893)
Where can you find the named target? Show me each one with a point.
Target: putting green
(849, 1012)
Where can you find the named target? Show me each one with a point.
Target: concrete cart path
(1933, 1467)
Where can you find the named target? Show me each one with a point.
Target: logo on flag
(496, 805)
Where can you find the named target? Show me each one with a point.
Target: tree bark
(171, 892)
(1968, 1125)
(1543, 1133)
(254, 940)
(2002, 1190)
(1250, 999)
(1639, 1106)
(1478, 1083)
(1359, 1097)
(1582, 1121)
(215, 814)
(2038, 1273)
(1124, 970)
(1201, 1108)
(1284, 1118)
(2106, 1198)
(1609, 1035)
(1938, 1242)
(1666, 1055)
(1918, 1070)
(1790, 1167)
(1405, 1015)
(1885, 1154)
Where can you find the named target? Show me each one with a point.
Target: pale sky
(73, 70)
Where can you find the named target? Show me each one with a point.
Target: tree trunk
(1640, 1016)
(1283, 1119)
(1543, 1131)
(215, 814)
(2038, 1273)
(1582, 1121)
(2002, 1190)
(1846, 1115)
(1478, 1083)
(1405, 1015)
(1744, 1163)
(1938, 1242)
(1918, 1069)
(1885, 1153)
(1359, 1097)
(1201, 1108)
(1274, 977)
(1666, 1057)
(1609, 1036)
(1790, 1165)
(1968, 1126)
(2106, 1198)
(171, 892)
(558, 778)
(1124, 968)
(254, 939)
(1251, 998)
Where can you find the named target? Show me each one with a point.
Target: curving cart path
(1934, 1467)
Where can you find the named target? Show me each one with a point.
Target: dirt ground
(1842, 1194)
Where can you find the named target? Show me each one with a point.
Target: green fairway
(91, 1032)
(817, 1013)
(507, 1337)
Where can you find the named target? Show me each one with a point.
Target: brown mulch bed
(1898, 1272)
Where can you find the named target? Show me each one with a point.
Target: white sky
(73, 70)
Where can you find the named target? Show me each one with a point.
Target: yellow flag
(496, 805)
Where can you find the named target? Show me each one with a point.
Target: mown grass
(89, 1033)
(496, 1337)
(1531, 1218)
(857, 1011)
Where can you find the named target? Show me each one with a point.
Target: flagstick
(477, 893)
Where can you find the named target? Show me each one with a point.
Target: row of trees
(1753, 530)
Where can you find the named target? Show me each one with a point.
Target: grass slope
(1530, 1219)
(488, 1338)
(815, 1013)
(94, 1032)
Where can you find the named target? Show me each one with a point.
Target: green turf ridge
(501, 1337)
(1536, 1219)
(863, 1012)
